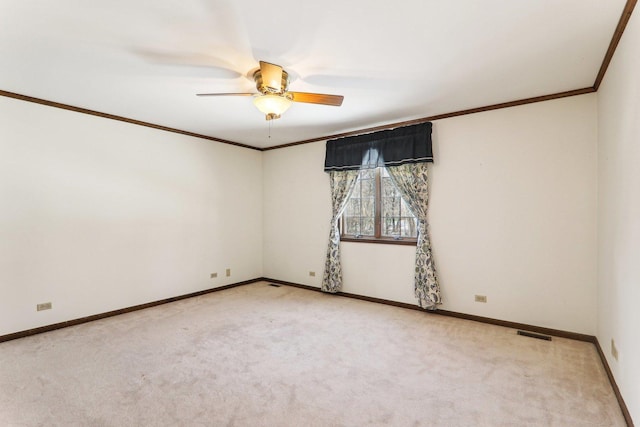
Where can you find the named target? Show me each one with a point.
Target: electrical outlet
(614, 349)
(214, 275)
(481, 298)
(312, 273)
(228, 272)
(43, 306)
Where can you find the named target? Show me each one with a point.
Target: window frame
(378, 237)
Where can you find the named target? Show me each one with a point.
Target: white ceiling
(392, 60)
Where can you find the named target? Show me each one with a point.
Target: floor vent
(532, 335)
(274, 285)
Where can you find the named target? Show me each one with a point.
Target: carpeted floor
(258, 355)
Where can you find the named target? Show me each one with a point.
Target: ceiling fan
(273, 97)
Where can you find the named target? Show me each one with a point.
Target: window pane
(368, 228)
(356, 189)
(368, 188)
(353, 207)
(409, 228)
(405, 209)
(368, 208)
(390, 206)
(388, 189)
(351, 225)
(389, 226)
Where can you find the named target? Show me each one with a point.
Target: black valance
(393, 147)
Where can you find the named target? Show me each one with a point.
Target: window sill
(380, 240)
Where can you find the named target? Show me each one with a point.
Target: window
(376, 212)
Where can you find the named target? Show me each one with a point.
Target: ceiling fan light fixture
(273, 97)
(272, 106)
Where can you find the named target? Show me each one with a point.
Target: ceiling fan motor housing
(263, 86)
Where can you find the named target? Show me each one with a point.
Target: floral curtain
(412, 182)
(342, 184)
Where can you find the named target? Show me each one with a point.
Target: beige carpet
(258, 355)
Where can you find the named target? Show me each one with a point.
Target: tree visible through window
(375, 210)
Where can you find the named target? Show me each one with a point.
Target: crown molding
(118, 118)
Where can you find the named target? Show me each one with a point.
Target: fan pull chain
(270, 128)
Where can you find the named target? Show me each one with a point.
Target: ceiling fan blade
(225, 94)
(271, 76)
(217, 67)
(317, 98)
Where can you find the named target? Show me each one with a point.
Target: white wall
(297, 211)
(97, 215)
(512, 214)
(619, 215)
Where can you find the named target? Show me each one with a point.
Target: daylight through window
(376, 211)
